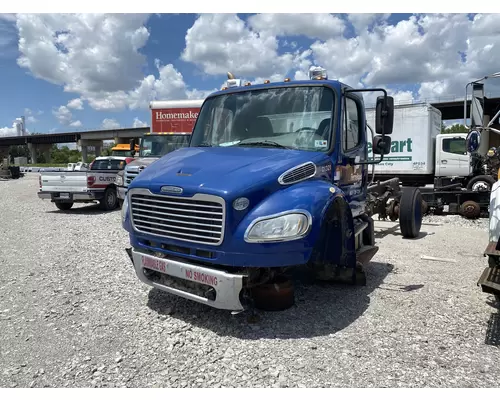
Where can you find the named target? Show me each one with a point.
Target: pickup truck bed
(64, 188)
(68, 187)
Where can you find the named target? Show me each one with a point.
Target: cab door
(452, 158)
(354, 149)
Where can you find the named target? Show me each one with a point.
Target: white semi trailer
(422, 155)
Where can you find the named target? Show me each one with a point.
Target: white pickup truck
(64, 188)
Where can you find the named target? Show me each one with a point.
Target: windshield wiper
(204, 144)
(263, 143)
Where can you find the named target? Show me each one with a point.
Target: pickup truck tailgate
(64, 181)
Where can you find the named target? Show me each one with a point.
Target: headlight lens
(125, 208)
(119, 180)
(282, 228)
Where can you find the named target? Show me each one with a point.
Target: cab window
(352, 131)
(454, 145)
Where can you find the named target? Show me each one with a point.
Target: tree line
(62, 155)
(457, 128)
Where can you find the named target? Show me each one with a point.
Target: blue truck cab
(275, 177)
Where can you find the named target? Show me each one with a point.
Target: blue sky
(79, 72)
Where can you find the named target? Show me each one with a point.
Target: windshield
(159, 145)
(108, 164)
(291, 117)
(121, 153)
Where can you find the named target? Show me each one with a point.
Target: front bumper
(227, 287)
(121, 192)
(70, 197)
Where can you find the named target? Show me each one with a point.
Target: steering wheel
(305, 128)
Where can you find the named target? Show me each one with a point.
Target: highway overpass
(86, 139)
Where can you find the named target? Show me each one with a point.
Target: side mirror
(473, 141)
(384, 115)
(477, 105)
(381, 145)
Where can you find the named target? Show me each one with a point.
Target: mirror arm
(494, 118)
(370, 162)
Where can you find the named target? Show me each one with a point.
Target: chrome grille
(130, 174)
(198, 219)
(298, 173)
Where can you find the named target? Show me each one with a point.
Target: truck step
(490, 280)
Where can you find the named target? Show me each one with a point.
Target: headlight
(125, 208)
(279, 228)
(119, 180)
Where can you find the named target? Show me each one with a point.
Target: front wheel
(110, 200)
(63, 206)
(481, 183)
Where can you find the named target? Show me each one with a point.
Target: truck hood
(146, 161)
(221, 170)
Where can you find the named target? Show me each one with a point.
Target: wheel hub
(479, 187)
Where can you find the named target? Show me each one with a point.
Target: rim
(480, 186)
(111, 198)
(471, 210)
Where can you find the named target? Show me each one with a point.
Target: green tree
(456, 128)
(19, 151)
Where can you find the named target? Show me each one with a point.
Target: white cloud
(29, 117)
(223, 42)
(98, 57)
(75, 104)
(84, 52)
(109, 123)
(138, 123)
(424, 50)
(314, 26)
(76, 124)
(63, 115)
(9, 131)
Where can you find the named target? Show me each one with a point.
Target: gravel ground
(73, 313)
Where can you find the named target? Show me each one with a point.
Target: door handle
(444, 161)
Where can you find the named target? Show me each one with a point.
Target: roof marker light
(232, 81)
(317, 73)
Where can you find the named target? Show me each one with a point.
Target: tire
(110, 200)
(63, 206)
(277, 295)
(470, 209)
(481, 183)
(410, 212)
